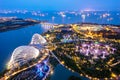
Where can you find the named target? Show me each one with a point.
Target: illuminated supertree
(96, 49)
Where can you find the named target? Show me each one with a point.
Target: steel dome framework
(22, 55)
(38, 39)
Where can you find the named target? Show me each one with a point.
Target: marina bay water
(9, 40)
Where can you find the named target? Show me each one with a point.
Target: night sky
(60, 4)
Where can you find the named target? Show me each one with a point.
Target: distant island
(10, 23)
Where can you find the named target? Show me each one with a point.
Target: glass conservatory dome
(22, 55)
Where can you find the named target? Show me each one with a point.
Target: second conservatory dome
(38, 39)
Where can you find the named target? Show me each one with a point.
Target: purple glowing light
(96, 50)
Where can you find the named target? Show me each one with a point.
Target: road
(56, 58)
(14, 73)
